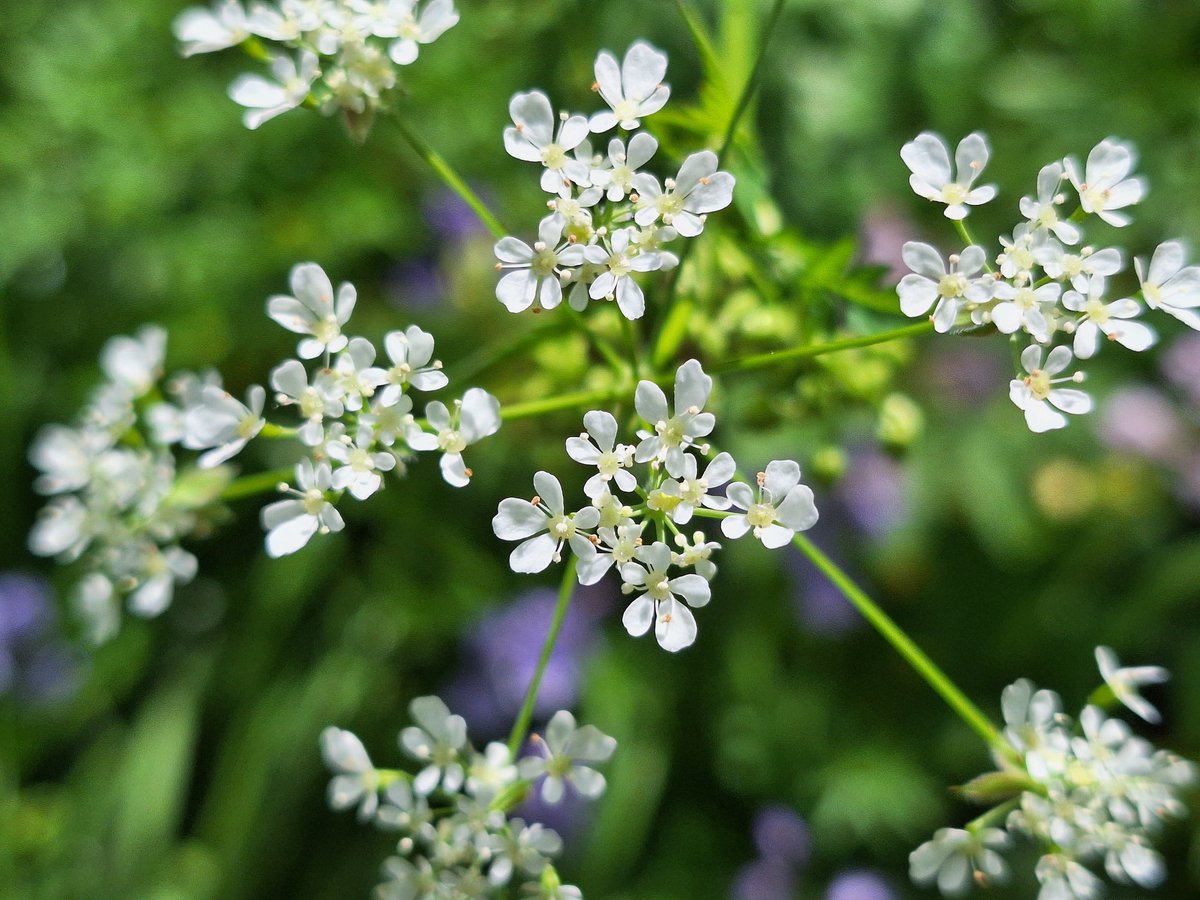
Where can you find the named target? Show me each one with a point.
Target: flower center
(554, 156)
(671, 431)
(561, 527)
(656, 585)
(1038, 382)
(1153, 294)
(626, 110)
(952, 285)
(543, 262)
(450, 441)
(314, 501)
(760, 515)
(954, 194)
(1097, 311)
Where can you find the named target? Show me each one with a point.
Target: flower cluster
(1089, 793)
(609, 219)
(1046, 285)
(332, 54)
(669, 579)
(457, 839)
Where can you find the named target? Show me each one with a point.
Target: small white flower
(65, 457)
(615, 280)
(160, 572)
(268, 99)
(1037, 395)
(694, 489)
(438, 17)
(783, 506)
(135, 363)
(1169, 285)
(1025, 306)
(475, 417)
(313, 310)
(532, 138)
(1113, 320)
(945, 290)
(664, 601)
(696, 554)
(63, 529)
(360, 467)
(617, 546)
(542, 526)
(535, 273)
(290, 523)
(598, 447)
(1104, 184)
(356, 781)
(437, 739)
(928, 157)
(1062, 878)
(95, 600)
(491, 771)
(958, 860)
(564, 749)
(1042, 211)
(1125, 682)
(697, 190)
(219, 421)
(633, 89)
(1020, 254)
(410, 352)
(625, 162)
(317, 402)
(674, 433)
(205, 31)
(356, 376)
(1077, 268)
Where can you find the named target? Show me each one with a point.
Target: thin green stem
(765, 360)
(535, 408)
(993, 816)
(903, 644)
(634, 351)
(452, 179)
(751, 85)
(521, 727)
(695, 27)
(960, 226)
(257, 483)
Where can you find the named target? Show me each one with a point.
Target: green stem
(631, 339)
(536, 408)
(521, 727)
(993, 816)
(960, 226)
(903, 644)
(611, 356)
(452, 179)
(703, 43)
(764, 360)
(257, 483)
(751, 85)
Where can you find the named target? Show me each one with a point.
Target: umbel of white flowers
(456, 837)
(1090, 794)
(1044, 284)
(609, 220)
(654, 486)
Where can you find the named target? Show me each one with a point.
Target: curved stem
(903, 644)
(452, 179)
(521, 727)
(257, 483)
(763, 360)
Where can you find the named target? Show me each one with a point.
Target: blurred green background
(180, 760)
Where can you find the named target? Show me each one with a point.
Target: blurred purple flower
(884, 231)
(451, 218)
(415, 283)
(1188, 484)
(1141, 421)
(764, 879)
(1181, 365)
(965, 374)
(873, 492)
(782, 835)
(35, 662)
(859, 884)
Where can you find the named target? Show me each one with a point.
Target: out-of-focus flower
(1124, 682)
(1141, 420)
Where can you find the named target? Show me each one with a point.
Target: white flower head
(412, 29)
(1025, 307)
(316, 402)
(135, 363)
(532, 138)
(361, 466)
(1036, 394)
(957, 860)
(219, 421)
(355, 780)
(674, 433)
(696, 191)
(1113, 320)
(543, 526)
(782, 506)
(1042, 210)
(313, 310)
(355, 373)
(158, 571)
(1104, 184)
(475, 417)
(1062, 878)
(617, 545)
(664, 600)
(1124, 682)
(535, 274)
(598, 447)
(694, 488)
(618, 264)
(411, 354)
(1077, 268)
(438, 740)
(632, 89)
(566, 754)
(625, 161)
(944, 289)
(1170, 285)
(202, 30)
(291, 523)
(267, 99)
(928, 157)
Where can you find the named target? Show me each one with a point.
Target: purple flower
(781, 835)
(872, 491)
(764, 879)
(1142, 421)
(1181, 364)
(35, 663)
(859, 884)
(450, 217)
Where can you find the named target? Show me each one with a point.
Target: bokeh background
(789, 753)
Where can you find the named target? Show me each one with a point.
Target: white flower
(410, 352)
(542, 526)
(205, 31)
(219, 421)
(1037, 395)
(435, 19)
(674, 433)
(491, 771)
(317, 401)
(1125, 682)
(355, 780)
(65, 457)
(625, 163)
(314, 311)
(1020, 254)
(268, 99)
(931, 282)
(1104, 185)
(632, 90)
(532, 139)
(475, 417)
(957, 860)
(617, 546)
(360, 467)
(694, 490)
(1077, 268)
(535, 273)
(290, 523)
(135, 363)
(1170, 286)
(160, 572)
(437, 739)
(783, 506)
(1025, 307)
(928, 157)
(1064, 879)
(660, 603)
(695, 554)
(1113, 320)
(615, 280)
(697, 190)
(1042, 211)
(563, 750)
(94, 599)
(598, 447)
(356, 377)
